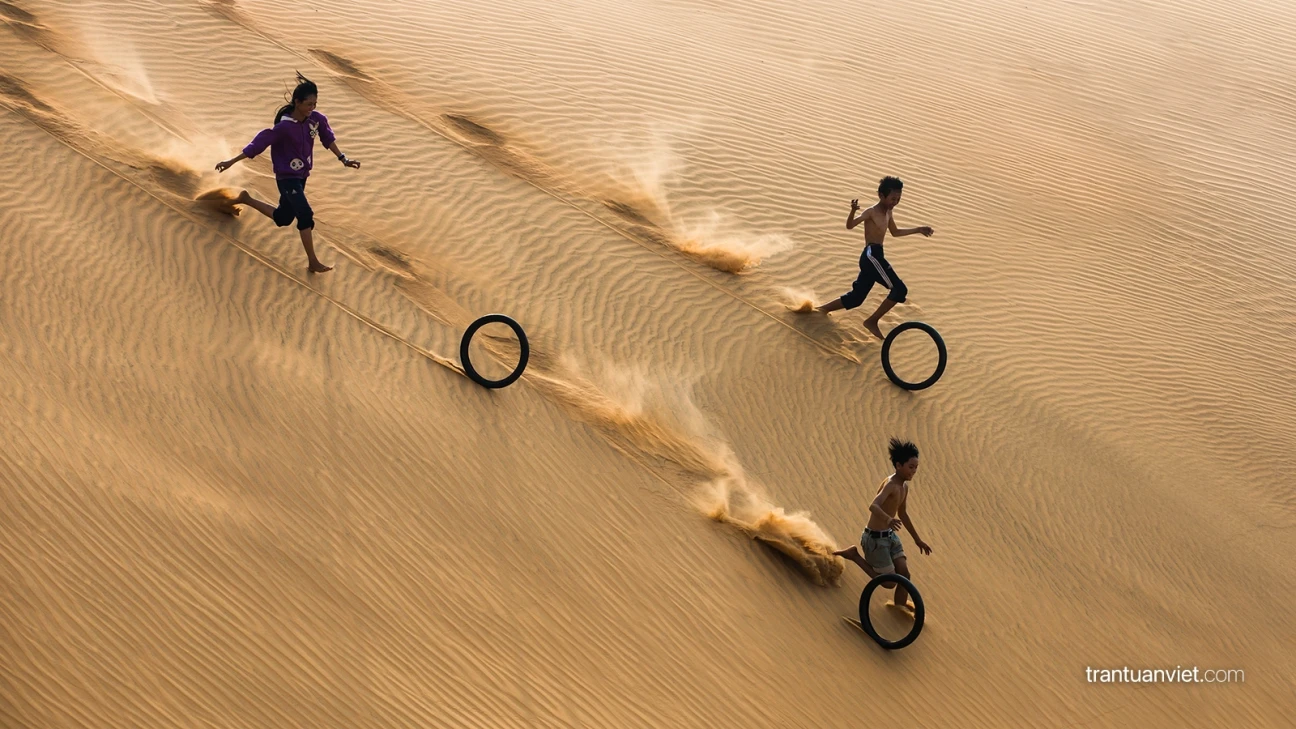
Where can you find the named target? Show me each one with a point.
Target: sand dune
(237, 494)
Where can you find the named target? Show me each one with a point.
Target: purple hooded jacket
(292, 144)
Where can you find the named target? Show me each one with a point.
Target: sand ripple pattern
(232, 494)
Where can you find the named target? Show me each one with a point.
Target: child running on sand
(882, 551)
(292, 143)
(873, 266)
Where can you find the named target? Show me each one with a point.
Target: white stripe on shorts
(886, 280)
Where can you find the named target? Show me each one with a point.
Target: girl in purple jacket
(292, 141)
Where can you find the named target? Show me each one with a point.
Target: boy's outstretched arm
(898, 232)
(851, 221)
(904, 516)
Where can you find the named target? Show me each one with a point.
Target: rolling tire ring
(472, 373)
(919, 611)
(940, 348)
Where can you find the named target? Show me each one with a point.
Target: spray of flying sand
(637, 187)
(656, 416)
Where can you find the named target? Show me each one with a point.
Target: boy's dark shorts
(874, 269)
(881, 552)
(292, 204)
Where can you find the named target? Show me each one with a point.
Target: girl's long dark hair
(305, 88)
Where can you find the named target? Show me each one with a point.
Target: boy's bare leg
(871, 323)
(901, 598)
(831, 306)
(308, 242)
(853, 554)
(264, 208)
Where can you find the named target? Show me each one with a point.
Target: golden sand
(234, 494)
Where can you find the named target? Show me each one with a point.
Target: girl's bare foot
(872, 327)
(317, 267)
(243, 197)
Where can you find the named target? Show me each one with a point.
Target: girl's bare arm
(222, 166)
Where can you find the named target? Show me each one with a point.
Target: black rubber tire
(919, 611)
(940, 348)
(472, 373)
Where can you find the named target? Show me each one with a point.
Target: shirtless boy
(874, 268)
(880, 545)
